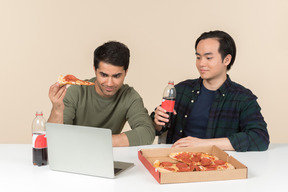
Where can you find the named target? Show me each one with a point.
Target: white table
(267, 171)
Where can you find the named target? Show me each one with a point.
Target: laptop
(82, 150)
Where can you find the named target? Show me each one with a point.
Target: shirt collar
(222, 90)
(225, 86)
(198, 84)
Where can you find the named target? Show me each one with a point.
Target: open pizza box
(148, 156)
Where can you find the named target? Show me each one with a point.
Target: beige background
(42, 39)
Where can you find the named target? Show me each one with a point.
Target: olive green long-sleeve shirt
(83, 106)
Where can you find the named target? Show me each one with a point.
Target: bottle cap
(171, 82)
(39, 113)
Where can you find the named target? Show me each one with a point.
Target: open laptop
(82, 150)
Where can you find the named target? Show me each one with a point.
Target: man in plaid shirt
(213, 110)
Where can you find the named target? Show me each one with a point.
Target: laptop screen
(80, 149)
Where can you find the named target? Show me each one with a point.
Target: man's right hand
(56, 96)
(161, 117)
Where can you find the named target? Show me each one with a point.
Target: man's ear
(227, 60)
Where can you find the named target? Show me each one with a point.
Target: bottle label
(168, 104)
(39, 141)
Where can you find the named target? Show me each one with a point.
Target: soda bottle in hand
(168, 102)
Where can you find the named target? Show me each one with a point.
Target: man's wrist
(164, 129)
(56, 116)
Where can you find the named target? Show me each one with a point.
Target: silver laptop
(82, 150)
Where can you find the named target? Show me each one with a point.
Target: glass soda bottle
(39, 141)
(168, 101)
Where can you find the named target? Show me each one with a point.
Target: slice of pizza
(200, 161)
(192, 157)
(175, 167)
(222, 165)
(165, 166)
(72, 80)
(184, 157)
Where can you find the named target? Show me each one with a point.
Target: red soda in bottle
(39, 141)
(168, 101)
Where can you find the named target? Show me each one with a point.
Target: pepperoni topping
(169, 168)
(205, 162)
(196, 158)
(183, 155)
(70, 78)
(186, 160)
(219, 162)
(181, 165)
(194, 168)
(166, 164)
(184, 169)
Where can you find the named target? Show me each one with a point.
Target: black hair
(227, 44)
(114, 53)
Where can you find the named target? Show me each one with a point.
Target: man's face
(109, 79)
(209, 62)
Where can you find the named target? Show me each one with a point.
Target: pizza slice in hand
(72, 80)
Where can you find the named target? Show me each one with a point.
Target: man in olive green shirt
(108, 104)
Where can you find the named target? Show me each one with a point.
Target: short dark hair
(114, 53)
(227, 44)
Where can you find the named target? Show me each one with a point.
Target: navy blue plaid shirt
(234, 114)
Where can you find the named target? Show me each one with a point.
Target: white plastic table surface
(267, 171)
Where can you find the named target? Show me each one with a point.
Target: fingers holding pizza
(58, 90)
(56, 95)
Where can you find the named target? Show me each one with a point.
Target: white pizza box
(148, 156)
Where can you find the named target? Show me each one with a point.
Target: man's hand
(161, 117)
(56, 96)
(222, 143)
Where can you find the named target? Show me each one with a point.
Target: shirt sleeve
(142, 129)
(253, 135)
